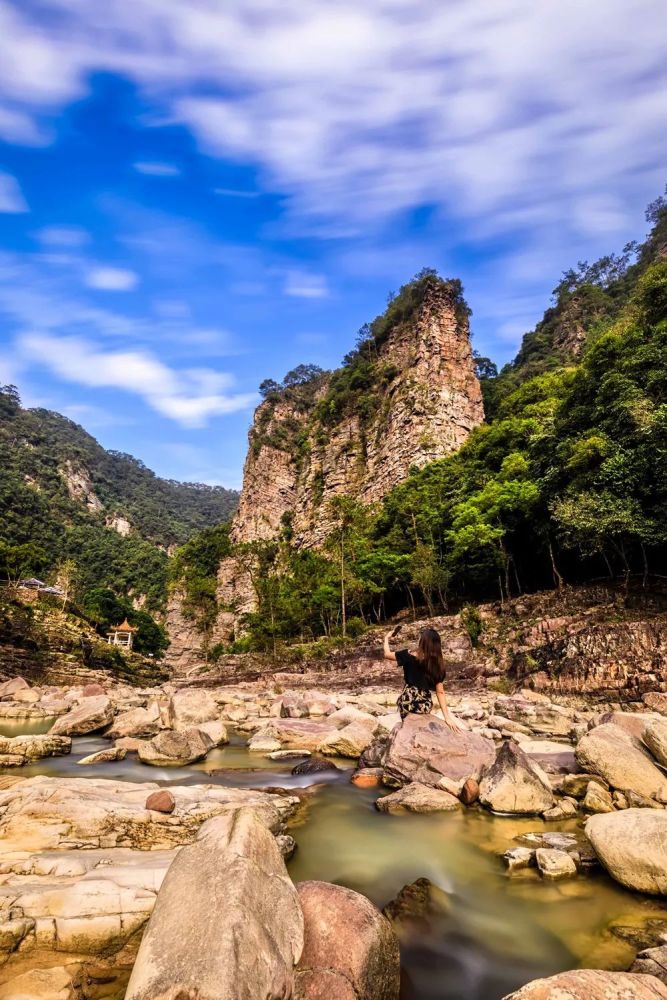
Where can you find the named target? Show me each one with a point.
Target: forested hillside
(565, 481)
(66, 500)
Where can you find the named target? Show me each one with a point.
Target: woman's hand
(453, 723)
(388, 655)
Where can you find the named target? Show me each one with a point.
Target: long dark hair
(429, 654)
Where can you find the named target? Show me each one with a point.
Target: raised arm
(388, 655)
(447, 716)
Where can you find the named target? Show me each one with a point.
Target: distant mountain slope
(61, 492)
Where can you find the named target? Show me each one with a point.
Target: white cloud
(71, 237)
(302, 285)
(487, 109)
(155, 169)
(190, 397)
(112, 279)
(11, 197)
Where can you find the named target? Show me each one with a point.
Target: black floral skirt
(413, 699)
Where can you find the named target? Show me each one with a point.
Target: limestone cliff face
(424, 399)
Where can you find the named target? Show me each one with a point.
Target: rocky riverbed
(536, 839)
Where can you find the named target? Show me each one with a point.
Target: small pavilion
(121, 635)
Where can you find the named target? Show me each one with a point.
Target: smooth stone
(367, 777)
(104, 756)
(655, 738)
(350, 949)
(314, 767)
(418, 798)
(162, 801)
(652, 962)
(554, 864)
(515, 784)
(519, 858)
(608, 750)
(632, 846)
(191, 706)
(89, 716)
(424, 749)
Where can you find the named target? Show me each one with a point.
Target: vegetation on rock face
(567, 479)
(61, 492)
(193, 571)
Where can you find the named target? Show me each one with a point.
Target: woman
(423, 673)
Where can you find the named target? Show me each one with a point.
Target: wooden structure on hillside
(121, 635)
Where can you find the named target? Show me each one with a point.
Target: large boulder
(620, 759)
(89, 716)
(592, 984)
(424, 749)
(227, 924)
(418, 798)
(175, 749)
(350, 950)
(18, 750)
(515, 784)
(632, 846)
(655, 738)
(189, 707)
(136, 722)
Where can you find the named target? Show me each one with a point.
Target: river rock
(89, 716)
(189, 707)
(515, 784)
(367, 777)
(418, 798)
(104, 756)
(655, 738)
(652, 962)
(592, 984)
(519, 858)
(633, 723)
(314, 767)
(216, 732)
(611, 752)
(227, 922)
(301, 734)
(351, 740)
(597, 799)
(162, 801)
(632, 846)
(175, 749)
(18, 750)
(554, 864)
(264, 742)
(11, 687)
(136, 722)
(416, 903)
(350, 950)
(424, 749)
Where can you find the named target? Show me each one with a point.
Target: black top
(413, 671)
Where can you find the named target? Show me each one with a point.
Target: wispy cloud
(112, 279)
(156, 169)
(236, 193)
(502, 113)
(303, 285)
(190, 397)
(11, 197)
(70, 237)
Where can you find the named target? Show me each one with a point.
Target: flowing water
(495, 932)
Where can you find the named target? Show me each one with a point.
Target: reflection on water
(499, 932)
(25, 727)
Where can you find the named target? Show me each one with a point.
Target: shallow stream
(496, 932)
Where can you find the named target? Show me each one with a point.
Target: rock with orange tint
(350, 949)
(592, 984)
(367, 777)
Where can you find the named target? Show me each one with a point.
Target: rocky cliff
(407, 396)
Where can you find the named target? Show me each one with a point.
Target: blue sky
(196, 195)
